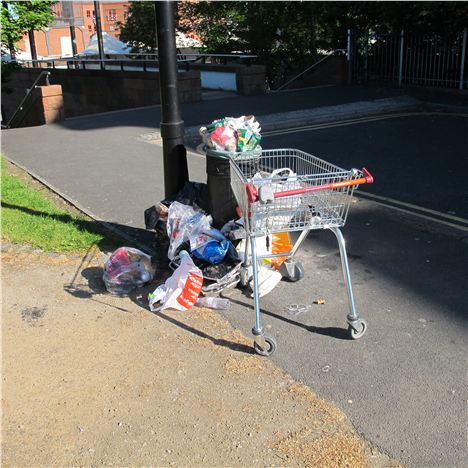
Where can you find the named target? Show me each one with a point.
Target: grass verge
(32, 217)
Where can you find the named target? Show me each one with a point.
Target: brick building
(56, 39)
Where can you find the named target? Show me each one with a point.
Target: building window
(111, 15)
(90, 28)
(88, 14)
(111, 28)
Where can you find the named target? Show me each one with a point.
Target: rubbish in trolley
(280, 242)
(311, 194)
(126, 269)
(255, 194)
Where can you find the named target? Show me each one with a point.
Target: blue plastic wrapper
(215, 249)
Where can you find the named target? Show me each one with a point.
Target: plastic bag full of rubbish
(127, 269)
(184, 222)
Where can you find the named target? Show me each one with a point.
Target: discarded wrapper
(320, 301)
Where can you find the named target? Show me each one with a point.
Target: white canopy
(111, 46)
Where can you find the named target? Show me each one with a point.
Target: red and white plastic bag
(181, 290)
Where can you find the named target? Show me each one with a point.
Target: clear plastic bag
(127, 269)
(181, 290)
(183, 223)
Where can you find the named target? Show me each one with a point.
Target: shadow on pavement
(333, 332)
(399, 250)
(216, 341)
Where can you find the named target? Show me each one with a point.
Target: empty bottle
(214, 303)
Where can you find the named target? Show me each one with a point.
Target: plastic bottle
(214, 303)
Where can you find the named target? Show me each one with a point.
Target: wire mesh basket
(307, 192)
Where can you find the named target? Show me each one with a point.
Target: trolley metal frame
(290, 190)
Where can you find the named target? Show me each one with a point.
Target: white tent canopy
(112, 46)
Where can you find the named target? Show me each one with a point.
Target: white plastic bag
(283, 179)
(183, 223)
(282, 209)
(181, 290)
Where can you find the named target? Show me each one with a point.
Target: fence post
(400, 65)
(350, 56)
(462, 70)
(366, 58)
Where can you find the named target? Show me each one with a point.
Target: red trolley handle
(252, 192)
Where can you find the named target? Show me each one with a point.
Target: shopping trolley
(289, 190)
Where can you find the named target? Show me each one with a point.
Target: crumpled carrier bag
(126, 269)
(181, 290)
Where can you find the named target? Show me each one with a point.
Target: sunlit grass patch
(28, 217)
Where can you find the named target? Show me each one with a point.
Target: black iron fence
(136, 62)
(408, 59)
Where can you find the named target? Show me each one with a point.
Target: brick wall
(94, 91)
(44, 105)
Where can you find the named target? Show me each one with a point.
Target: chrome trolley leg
(263, 345)
(357, 326)
(257, 330)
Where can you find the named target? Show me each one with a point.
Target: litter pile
(204, 260)
(235, 229)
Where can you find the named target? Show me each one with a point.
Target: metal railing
(311, 67)
(134, 62)
(21, 106)
(408, 59)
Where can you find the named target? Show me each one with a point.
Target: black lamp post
(172, 125)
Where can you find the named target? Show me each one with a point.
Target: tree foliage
(287, 35)
(139, 31)
(19, 17)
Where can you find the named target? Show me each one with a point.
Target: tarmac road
(404, 383)
(420, 160)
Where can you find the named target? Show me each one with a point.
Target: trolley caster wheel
(270, 347)
(292, 271)
(357, 329)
